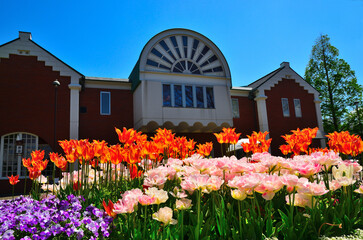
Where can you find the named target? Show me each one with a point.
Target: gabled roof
(264, 79)
(30, 40)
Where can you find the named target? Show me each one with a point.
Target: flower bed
(26, 218)
(166, 189)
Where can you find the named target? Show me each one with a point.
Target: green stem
(182, 225)
(239, 219)
(53, 179)
(197, 229)
(145, 219)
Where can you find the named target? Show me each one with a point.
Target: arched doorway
(14, 147)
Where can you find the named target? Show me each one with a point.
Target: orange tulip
(27, 162)
(299, 141)
(34, 172)
(99, 147)
(345, 143)
(257, 143)
(14, 180)
(126, 136)
(59, 161)
(109, 208)
(205, 149)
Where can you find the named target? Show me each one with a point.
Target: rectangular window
(297, 108)
(235, 108)
(285, 107)
(105, 103)
(200, 97)
(189, 101)
(178, 97)
(210, 97)
(166, 95)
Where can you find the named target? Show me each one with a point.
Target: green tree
(335, 81)
(353, 122)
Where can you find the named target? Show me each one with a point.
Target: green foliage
(335, 81)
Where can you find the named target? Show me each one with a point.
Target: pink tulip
(165, 215)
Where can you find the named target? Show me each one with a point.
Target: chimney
(25, 35)
(285, 64)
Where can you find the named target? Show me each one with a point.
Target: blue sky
(105, 38)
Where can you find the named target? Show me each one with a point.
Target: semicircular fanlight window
(183, 54)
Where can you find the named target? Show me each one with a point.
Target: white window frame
(285, 103)
(297, 105)
(20, 163)
(172, 94)
(235, 108)
(109, 103)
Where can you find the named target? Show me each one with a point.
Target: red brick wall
(93, 125)
(27, 98)
(280, 125)
(248, 120)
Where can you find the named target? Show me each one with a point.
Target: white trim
(109, 103)
(294, 76)
(108, 85)
(262, 112)
(183, 32)
(74, 110)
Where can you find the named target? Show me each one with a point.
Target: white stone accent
(262, 111)
(320, 120)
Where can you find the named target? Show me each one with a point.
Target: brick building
(181, 81)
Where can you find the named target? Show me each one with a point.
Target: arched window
(184, 54)
(14, 147)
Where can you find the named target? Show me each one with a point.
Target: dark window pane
(193, 67)
(189, 96)
(173, 40)
(165, 67)
(183, 64)
(185, 41)
(171, 54)
(166, 60)
(205, 50)
(177, 50)
(156, 52)
(208, 70)
(200, 57)
(217, 69)
(166, 95)
(151, 63)
(178, 65)
(200, 97)
(81, 110)
(163, 44)
(212, 59)
(185, 44)
(205, 63)
(210, 97)
(178, 100)
(105, 103)
(177, 70)
(195, 43)
(193, 52)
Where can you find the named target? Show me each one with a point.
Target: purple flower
(8, 235)
(51, 217)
